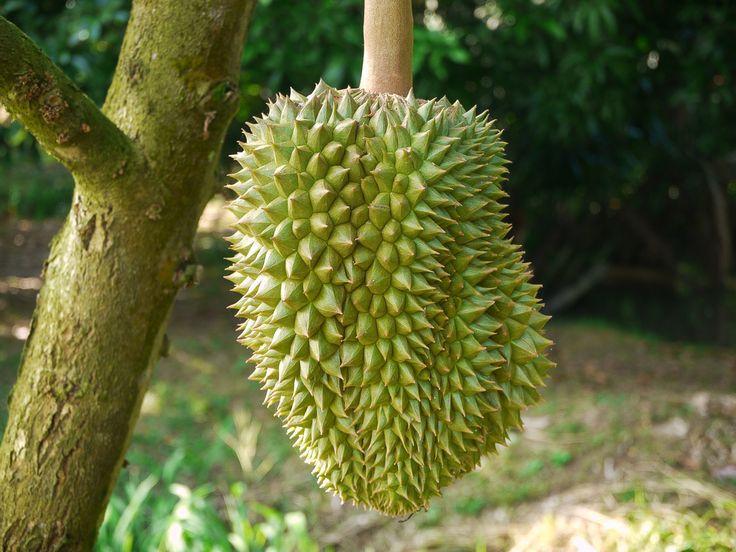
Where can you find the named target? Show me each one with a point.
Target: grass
(584, 433)
(600, 463)
(156, 508)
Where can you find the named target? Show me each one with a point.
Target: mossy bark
(115, 267)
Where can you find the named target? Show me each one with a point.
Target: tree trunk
(120, 258)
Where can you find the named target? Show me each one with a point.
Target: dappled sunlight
(194, 361)
(216, 218)
(474, 291)
(14, 292)
(592, 470)
(243, 440)
(14, 284)
(151, 405)
(655, 515)
(652, 511)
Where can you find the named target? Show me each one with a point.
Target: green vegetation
(622, 192)
(115, 267)
(570, 441)
(162, 513)
(207, 456)
(35, 190)
(623, 170)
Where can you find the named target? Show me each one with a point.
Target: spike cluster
(392, 322)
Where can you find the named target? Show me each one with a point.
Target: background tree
(144, 166)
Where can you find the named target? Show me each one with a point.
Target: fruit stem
(387, 49)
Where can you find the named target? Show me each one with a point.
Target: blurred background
(621, 123)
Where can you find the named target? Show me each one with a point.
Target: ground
(634, 447)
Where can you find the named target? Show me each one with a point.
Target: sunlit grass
(210, 468)
(163, 511)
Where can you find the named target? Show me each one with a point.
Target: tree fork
(116, 265)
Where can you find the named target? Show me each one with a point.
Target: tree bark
(65, 122)
(116, 265)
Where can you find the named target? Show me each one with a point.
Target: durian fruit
(392, 320)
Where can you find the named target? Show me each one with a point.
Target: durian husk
(392, 321)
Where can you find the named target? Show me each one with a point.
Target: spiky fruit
(392, 321)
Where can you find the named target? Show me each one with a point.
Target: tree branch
(720, 221)
(176, 85)
(570, 295)
(388, 43)
(63, 119)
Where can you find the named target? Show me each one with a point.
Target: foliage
(615, 112)
(601, 410)
(612, 108)
(162, 513)
(82, 37)
(37, 190)
(612, 392)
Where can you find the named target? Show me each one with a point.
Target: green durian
(393, 324)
